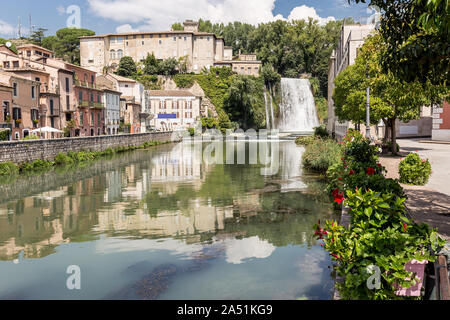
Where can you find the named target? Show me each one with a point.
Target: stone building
(441, 123)
(6, 92)
(246, 64)
(174, 109)
(24, 107)
(201, 49)
(111, 99)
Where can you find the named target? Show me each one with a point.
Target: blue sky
(106, 16)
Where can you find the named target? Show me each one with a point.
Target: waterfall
(297, 109)
(271, 107)
(267, 110)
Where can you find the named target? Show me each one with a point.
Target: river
(163, 223)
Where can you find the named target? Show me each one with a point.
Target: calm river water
(164, 223)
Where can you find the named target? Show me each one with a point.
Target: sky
(109, 16)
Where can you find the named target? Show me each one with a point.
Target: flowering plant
(414, 170)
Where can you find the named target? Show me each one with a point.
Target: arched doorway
(92, 133)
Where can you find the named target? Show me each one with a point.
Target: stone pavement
(431, 203)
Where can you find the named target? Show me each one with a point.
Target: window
(80, 95)
(174, 38)
(143, 36)
(68, 102)
(52, 122)
(112, 40)
(119, 39)
(151, 36)
(33, 92)
(15, 64)
(99, 120)
(207, 38)
(143, 42)
(81, 119)
(112, 54)
(5, 109)
(126, 37)
(92, 97)
(92, 79)
(51, 106)
(92, 118)
(126, 43)
(99, 100)
(185, 38)
(17, 114)
(160, 42)
(6, 64)
(119, 54)
(15, 89)
(67, 84)
(28, 53)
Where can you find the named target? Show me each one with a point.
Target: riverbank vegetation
(380, 234)
(9, 169)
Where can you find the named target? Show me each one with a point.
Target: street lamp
(368, 105)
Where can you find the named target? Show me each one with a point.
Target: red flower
(351, 172)
(335, 192)
(379, 165)
(340, 179)
(339, 198)
(405, 227)
(334, 255)
(370, 171)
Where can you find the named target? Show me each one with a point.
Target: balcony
(84, 84)
(84, 104)
(97, 105)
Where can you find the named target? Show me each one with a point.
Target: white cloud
(125, 28)
(304, 12)
(156, 15)
(6, 28)
(61, 10)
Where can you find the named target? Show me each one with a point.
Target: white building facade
(112, 111)
(174, 110)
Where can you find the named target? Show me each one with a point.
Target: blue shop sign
(167, 116)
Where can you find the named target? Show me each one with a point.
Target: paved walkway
(430, 203)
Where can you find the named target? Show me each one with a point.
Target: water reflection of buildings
(117, 202)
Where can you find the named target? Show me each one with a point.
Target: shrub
(321, 155)
(63, 159)
(184, 80)
(37, 165)
(4, 135)
(380, 236)
(321, 132)
(191, 131)
(413, 170)
(304, 141)
(8, 169)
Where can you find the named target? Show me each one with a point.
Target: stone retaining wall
(30, 150)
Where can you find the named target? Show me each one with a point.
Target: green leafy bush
(184, 80)
(63, 159)
(4, 135)
(321, 155)
(321, 132)
(304, 141)
(37, 165)
(8, 169)
(414, 170)
(380, 236)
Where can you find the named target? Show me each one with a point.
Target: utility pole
(31, 25)
(368, 105)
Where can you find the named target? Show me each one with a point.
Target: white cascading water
(271, 108)
(297, 109)
(267, 111)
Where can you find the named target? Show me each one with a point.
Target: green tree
(270, 76)
(391, 98)
(168, 67)
(416, 33)
(151, 65)
(127, 67)
(37, 36)
(177, 27)
(66, 43)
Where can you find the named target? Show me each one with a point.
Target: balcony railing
(85, 84)
(84, 104)
(97, 105)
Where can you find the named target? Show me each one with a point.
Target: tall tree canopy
(416, 33)
(391, 98)
(66, 43)
(127, 67)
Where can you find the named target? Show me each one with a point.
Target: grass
(9, 169)
(321, 154)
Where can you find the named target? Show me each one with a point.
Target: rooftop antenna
(31, 25)
(19, 33)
